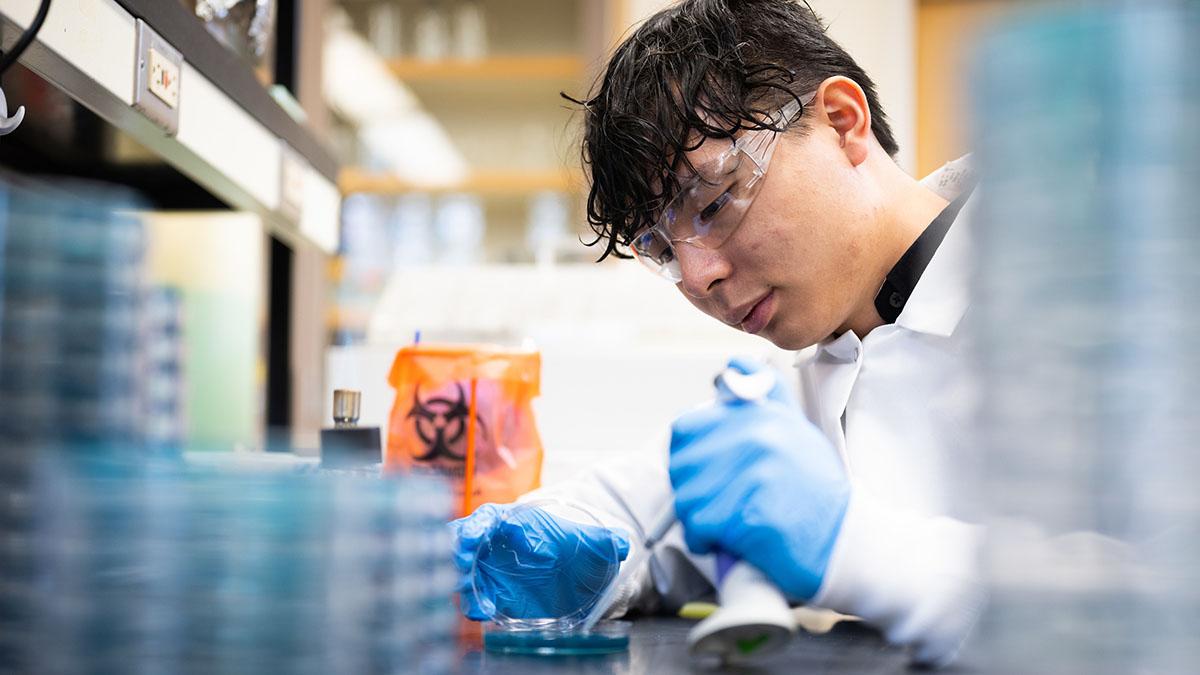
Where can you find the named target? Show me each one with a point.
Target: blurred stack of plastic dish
(69, 349)
(1087, 320)
(143, 567)
(163, 396)
(116, 556)
(71, 338)
(392, 576)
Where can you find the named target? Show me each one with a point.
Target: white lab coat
(903, 393)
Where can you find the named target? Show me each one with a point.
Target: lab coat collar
(846, 348)
(941, 296)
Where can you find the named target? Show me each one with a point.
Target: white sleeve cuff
(638, 488)
(914, 577)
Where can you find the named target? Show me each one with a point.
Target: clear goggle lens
(711, 204)
(708, 209)
(654, 251)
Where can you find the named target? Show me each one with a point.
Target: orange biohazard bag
(466, 412)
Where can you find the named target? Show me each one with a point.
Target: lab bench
(659, 646)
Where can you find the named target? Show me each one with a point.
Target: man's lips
(753, 317)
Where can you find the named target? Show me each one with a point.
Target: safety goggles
(711, 204)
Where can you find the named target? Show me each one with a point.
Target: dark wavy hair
(697, 70)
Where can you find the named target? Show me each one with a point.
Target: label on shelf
(156, 91)
(164, 78)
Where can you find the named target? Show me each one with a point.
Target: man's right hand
(536, 566)
(757, 480)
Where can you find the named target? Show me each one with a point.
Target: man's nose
(702, 269)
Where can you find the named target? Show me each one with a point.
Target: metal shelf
(232, 137)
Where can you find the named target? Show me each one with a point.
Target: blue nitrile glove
(538, 565)
(758, 481)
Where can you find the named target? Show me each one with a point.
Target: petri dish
(607, 637)
(539, 573)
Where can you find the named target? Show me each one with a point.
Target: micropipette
(754, 619)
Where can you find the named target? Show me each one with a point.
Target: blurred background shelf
(241, 202)
(234, 141)
(357, 181)
(493, 67)
(297, 189)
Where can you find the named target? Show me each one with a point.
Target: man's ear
(844, 106)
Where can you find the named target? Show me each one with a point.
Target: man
(741, 154)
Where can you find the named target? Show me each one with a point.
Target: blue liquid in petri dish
(608, 637)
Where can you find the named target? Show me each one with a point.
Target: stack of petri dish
(70, 282)
(1085, 325)
(115, 554)
(164, 385)
(157, 567)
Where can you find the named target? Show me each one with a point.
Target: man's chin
(788, 341)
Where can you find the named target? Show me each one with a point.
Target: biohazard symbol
(442, 424)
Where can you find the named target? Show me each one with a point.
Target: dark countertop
(659, 645)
